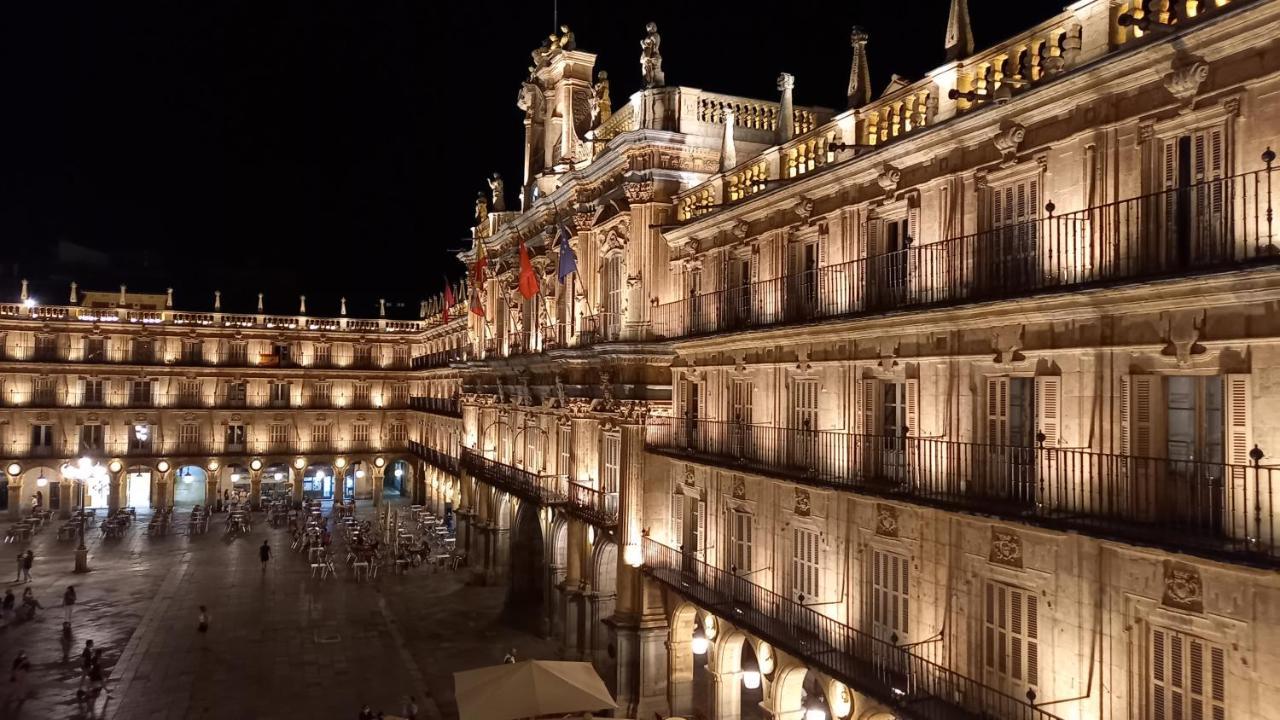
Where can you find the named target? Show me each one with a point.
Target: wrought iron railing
(436, 458)
(1209, 507)
(450, 407)
(189, 358)
(913, 686)
(1204, 227)
(534, 487)
(75, 448)
(597, 507)
(440, 358)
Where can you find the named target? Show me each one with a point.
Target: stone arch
(604, 580)
(791, 683)
(558, 560)
(731, 698)
(190, 483)
(680, 658)
(525, 593)
(27, 483)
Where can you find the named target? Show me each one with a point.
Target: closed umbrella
(529, 689)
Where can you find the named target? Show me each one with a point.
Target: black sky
(334, 148)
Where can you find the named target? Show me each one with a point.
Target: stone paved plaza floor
(281, 644)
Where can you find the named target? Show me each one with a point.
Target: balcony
(436, 458)
(179, 449)
(185, 358)
(1207, 227)
(596, 507)
(449, 407)
(1213, 509)
(914, 686)
(439, 359)
(536, 488)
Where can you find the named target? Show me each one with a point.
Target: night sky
(335, 148)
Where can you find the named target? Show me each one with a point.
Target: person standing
(86, 661)
(97, 676)
(202, 622)
(6, 605)
(510, 658)
(27, 561)
(68, 601)
(264, 554)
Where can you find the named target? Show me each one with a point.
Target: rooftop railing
(1204, 227)
(153, 357)
(1213, 508)
(190, 401)
(450, 407)
(912, 685)
(78, 313)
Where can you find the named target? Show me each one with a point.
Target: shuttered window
(1188, 677)
(1011, 637)
(188, 434)
(890, 603)
(740, 401)
(998, 410)
(610, 460)
(740, 541)
(565, 442)
(805, 564)
(804, 404)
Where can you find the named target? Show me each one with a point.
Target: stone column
(15, 498)
(255, 489)
(160, 492)
(645, 261)
(65, 495)
(728, 151)
(643, 651)
(115, 490)
(573, 601)
(726, 695)
(786, 111)
(296, 476)
(211, 487)
(376, 477)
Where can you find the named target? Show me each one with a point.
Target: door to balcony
(802, 285)
(888, 244)
(804, 419)
(1195, 487)
(1011, 429)
(1194, 221)
(893, 438)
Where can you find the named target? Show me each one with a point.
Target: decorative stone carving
(1007, 142)
(740, 229)
(638, 187)
(1006, 548)
(1006, 341)
(584, 217)
(803, 208)
(1184, 83)
(499, 195)
(1182, 330)
(651, 58)
(1183, 588)
(803, 506)
(888, 352)
(739, 488)
(689, 475)
(886, 520)
(888, 178)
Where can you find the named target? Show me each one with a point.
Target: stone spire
(123, 290)
(728, 150)
(860, 72)
(75, 298)
(168, 298)
(959, 34)
(422, 309)
(382, 307)
(259, 303)
(22, 296)
(217, 300)
(302, 304)
(786, 111)
(342, 308)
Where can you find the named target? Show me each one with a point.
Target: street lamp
(750, 672)
(82, 473)
(699, 647)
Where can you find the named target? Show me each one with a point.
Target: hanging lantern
(699, 646)
(750, 672)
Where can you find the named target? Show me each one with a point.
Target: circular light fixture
(340, 463)
(399, 472)
(379, 461)
(709, 623)
(300, 462)
(279, 477)
(764, 652)
(841, 699)
(750, 672)
(14, 469)
(42, 480)
(163, 466)
(186, 475)
(699, 645)
(591, 535)
(633, 556)
(359, 474)
(320, 475)
(115, 466)
(213, 466)
(255, 465)
(235, 477)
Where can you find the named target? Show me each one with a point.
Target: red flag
(528, 278)
(482, 261)
(448, 300)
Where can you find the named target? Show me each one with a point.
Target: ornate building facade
(952, 403)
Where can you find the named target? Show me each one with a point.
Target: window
(234, 435)
(890, 606)
(399, 432)
(319, 436)
(1191, 167)
(360, 434)
(610, 459)
(888, 242)
(360, 394)
(140, 437)
(238, 353)
(41, 436)
(533, 447)
(43, 392)
(611, 272)
(46, 347)
(1009, 252)
(805, 565)
(363, 356)
(740, 390)
(323, 356)
(279, 435)
(144, 350)
(140, 392)
(802, 279)
(236, 394)
(279, 395)
(804, 422)
(689, 407)
(189, 435)
(192, 352)
(1188, 677)
(740, 542)
(1018, 411)
(320, 394)
(689, 523)
(189, 393)
(95, 349)
(92, 395)
(565, 444)
(91, 438)
(1011, 636)
(400, 354)
(400, 394)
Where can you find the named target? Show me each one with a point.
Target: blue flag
(568, 263)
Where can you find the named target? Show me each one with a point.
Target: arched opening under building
(40, 482)
(525, 593)
(239, 477)
(793, 685)
(190, 482)
(738, 663)
(604, 580)
(681, 658)
(276, 482)
(138, 487)
(318, 482)
(397, 478)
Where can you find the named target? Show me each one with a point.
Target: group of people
(410, 711)
(25, 561)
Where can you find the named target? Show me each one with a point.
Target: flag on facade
(448, 300)
(528, 278)
(568, 262)
(477, 306)
(482, 262)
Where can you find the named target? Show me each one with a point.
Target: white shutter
(998, 410)
(913, 407)
(1011, 641)
(1239, 422)
(677, 520)
(890, 593)
(1187, 677)
(699, 509)
(1049, 409)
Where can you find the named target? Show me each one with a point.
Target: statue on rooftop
(530, 99)
(601, 105)
(541, 53)
(482, 209)
(651, 57)
(566, 40)
(499, 197)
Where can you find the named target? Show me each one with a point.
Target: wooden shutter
(699, 509)
(890, 583)
(1239, 422)
(865, 404)
(677, 520)
(874, 242)
(998, 410)
(913, 407)
(1012, 634)
(804, 564)
(1049, 409)
(1139, 409)
(1187, 677)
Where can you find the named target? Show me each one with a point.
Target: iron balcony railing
(183, 401)
(440, 358)
(188, 358)
(913, 686)
(449, 407)
(436, 458)
(1204, 227)
(156, 448)
(534, 487)
(597, 507)
(1209, 507)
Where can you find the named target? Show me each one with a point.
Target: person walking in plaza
(264, 554)
(27, 561)
(86, 661)
(97, 676)
(68, 602)
(202, 622)
(510, 658)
